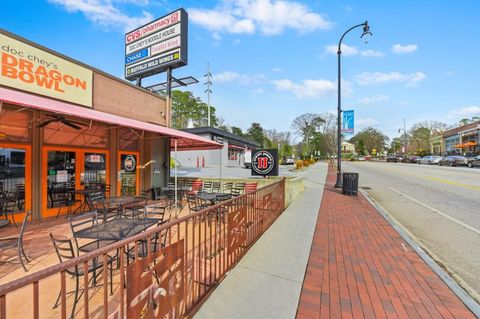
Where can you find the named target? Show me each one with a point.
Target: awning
(231, 146)
(185, 141)
(458, 146)
(471, 143)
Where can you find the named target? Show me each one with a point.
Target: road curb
(458, 290)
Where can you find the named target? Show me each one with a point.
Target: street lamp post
(366, 31)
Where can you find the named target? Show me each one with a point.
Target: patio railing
(195, 253)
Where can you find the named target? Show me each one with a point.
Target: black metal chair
(65, 251)
(227, 187)
(16, 242)
(195, 204)
(216, 187)
(207, 187)
(157, 242)
(238, 189)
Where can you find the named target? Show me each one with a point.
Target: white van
(248, 159)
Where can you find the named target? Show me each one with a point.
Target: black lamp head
(366, 31)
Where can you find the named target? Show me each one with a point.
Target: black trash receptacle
(350, 183)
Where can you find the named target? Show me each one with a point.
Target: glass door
(61, 179)
(128, 177)
(15, 196)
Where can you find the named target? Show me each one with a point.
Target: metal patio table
(117, 229)
(85, 193)
(182, 190)
(211, 197)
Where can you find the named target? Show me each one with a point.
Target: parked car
(412, 159)
(288, 161)
(430, 159)
(361, 159)
(474, 162)
(394, 158)
(453, 160)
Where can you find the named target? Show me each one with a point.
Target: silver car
(430, 159)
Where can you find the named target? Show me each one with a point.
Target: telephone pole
(208, 91)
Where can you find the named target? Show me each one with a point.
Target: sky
(275, 60)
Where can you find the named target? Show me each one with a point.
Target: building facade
(65, 125)
(463, 140)
(232, 153)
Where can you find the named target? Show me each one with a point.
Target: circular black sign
(263, 162)
(130, 163)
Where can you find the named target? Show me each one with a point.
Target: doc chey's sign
(156, 46)
(31, 69)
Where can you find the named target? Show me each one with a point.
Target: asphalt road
(440, 206)
(227, 172)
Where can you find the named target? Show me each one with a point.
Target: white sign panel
(62, 176)
(159, 45)
(154, 39)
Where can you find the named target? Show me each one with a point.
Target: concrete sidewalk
(267, 282)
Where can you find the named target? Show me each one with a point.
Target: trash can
(350, 183)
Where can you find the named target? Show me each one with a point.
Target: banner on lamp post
(348, 122)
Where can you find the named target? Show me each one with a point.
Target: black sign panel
(265, 162)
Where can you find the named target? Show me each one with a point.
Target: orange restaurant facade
(65, 125)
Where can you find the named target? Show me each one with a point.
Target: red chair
(250, 187)
(196, 186)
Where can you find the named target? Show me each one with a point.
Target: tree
(186, 107)
(396, 145)
(278, 140)
(307, 125)
(369, 139)
(236, 130)
(255, 133)
(463, 122)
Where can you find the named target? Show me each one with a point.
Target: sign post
(265, 162)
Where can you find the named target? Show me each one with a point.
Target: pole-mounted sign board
(265, 162)
(156, 46)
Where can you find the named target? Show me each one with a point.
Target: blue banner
(348, 122)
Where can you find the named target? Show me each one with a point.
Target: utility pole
(404, 136)
(208, 91)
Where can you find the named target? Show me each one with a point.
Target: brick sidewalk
(360, 267)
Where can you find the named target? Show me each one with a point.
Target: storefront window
(233, 154)
(60, 178)
(128, 174)
(85, 135)
(12, 180)
(128, 139)
(14, 125)
(95, 168)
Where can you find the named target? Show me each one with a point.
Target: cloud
(243, 79)
(269, 17)
(310, 88)
(404, 49)
(350, 50)
(373, 99)
(375, 78)
(371, 53)
(277, 69)
(466, 111)
(104, 12)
